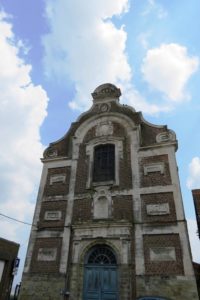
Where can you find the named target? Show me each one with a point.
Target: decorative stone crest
(50, 153)
(104, 128)
(104, 107)
(106, 90)
(165, 136)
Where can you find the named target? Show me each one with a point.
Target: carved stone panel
(53, 215)
(47, 254)
(157, 209)
(55, 198)
(155, 167)
(101, 208)
(102, 201)
(57, 178)
(162, 254)
(104, 128)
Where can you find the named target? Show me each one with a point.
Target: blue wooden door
(100, 274)
(100, 283)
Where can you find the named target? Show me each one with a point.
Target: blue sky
(55, 53)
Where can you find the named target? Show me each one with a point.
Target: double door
(100, 283)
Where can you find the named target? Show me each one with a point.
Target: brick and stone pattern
(149, 134)
(42, 286)
(125, 173)
(39, 265)
(155, 178)
(82, 170)
(158, 201)
(167, 287)
(57, 188)
(122, 207)
(53, 206)
(82, 210)
(162, 266)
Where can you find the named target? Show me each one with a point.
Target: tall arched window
(104, 163)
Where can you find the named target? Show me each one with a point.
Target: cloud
(194, 240)
(85, 46)
(88, 48)
(194, 174)
(133, 98)
(153, 7)
(168, 69)
(22, 111)
(144, 38)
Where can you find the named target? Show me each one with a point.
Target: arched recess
(100, 274)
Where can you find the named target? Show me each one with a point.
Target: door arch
(100, 274)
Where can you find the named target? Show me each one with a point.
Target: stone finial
(106, 91)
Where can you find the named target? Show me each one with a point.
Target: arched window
(101, 255)
(104, 163)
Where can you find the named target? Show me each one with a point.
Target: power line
(16, 220)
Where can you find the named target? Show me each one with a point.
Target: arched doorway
(100, 274)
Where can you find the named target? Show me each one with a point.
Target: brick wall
(52, 206)
(122, 208)
(125, 173)
(82, 171)
(38, 266)
(57, 188)
(42, 286)
(167, 267)
(158, 199)
(82, 210)
(155, 178)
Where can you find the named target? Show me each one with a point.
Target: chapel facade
(109, 222)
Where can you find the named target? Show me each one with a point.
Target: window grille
(102, 255)
(104, 163)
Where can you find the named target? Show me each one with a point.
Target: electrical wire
(16, 220)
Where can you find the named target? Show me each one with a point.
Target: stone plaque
(101, 208)
(162, 254)
(47, 254)
(55, 198)
(104, 128)
(156, 167)
(57, 178)
(157, 209)
(52, 215)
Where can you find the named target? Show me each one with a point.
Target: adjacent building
(8, 258)
(109, 220)
(196, 199)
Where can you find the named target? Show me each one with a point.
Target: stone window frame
(118, 143)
